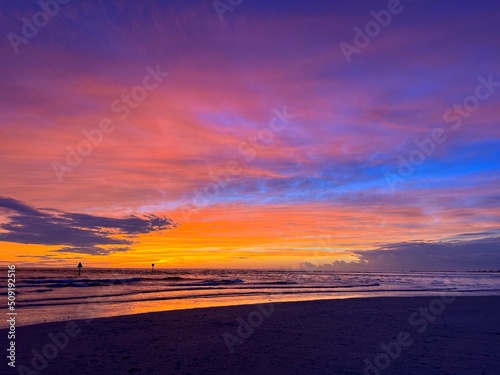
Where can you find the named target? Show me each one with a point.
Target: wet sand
(410, 336)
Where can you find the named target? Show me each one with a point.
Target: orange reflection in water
(90, 311)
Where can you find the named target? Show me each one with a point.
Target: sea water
(50, 294)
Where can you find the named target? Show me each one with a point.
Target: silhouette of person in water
(79, 268)
(152, 268)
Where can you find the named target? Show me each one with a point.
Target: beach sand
(316, 337)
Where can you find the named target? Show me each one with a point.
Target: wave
(221, 290)
(43, 303)
(84, 282)
(221, 282)
(79, 283)
(173, 278)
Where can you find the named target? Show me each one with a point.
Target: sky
(319, 135)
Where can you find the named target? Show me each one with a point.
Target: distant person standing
(79, 268)
(152, 268)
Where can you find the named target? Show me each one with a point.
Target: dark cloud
(477, 254)
(78, 233)
(12, 204)
(491, 233)
(92, 250)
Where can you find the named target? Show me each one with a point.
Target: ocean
(45, 295)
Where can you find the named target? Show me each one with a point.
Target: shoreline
(339, 336)
(92, 309)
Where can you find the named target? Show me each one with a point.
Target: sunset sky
(180, 134)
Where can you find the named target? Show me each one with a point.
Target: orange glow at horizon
(253, 237)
